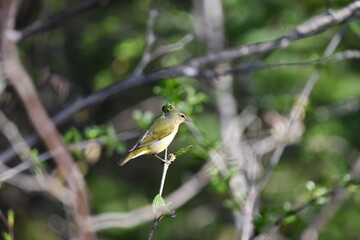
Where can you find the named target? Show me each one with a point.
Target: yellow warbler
(158, 137)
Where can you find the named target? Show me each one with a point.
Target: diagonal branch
(53, 21)
(21, 82)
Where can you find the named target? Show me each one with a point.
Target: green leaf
(11, 218)
(72, 135)
(110, 130)
(92, 132)
(310, 185)
(321, 201)
(143, 120)
(183, 150)
(158, 204)
(287, 206)
(290, 219)
(6, 236)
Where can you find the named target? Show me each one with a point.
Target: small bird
(158, 137)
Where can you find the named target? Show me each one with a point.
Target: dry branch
(21, 82)
(52, 22)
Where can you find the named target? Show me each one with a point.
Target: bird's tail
(131, 155)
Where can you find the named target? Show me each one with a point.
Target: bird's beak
(187, 119)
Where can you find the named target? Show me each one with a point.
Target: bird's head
(177, 117)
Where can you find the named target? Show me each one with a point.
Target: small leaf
(287, 206)
(72, 135)
(321, 201)
(158, 204)
(319, 192)
(290, 219)
(91, 132)
(310, 185)
(11, 218)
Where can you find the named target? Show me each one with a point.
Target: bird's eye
(182, 115)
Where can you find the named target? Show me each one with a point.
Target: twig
(148, 54)
(163, 177)
(172, 47)
(192, 66)
(153, 227)
(149, 41)
(53, 21)
(11, 132)
(340, 56)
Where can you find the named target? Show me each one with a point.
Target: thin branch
(53, 21)
(149, 42)
(11, 132)
(166, 167)
(148, 54)
(153, 227)
(339, 56)
(191, 68)
(172, 47)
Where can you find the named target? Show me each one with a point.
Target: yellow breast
(160, 145)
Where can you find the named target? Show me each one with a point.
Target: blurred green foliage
(183, 92)
(143, 119)
(105, 134)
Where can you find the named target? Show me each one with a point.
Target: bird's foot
(163, 160)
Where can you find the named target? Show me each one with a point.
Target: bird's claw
(163, 160)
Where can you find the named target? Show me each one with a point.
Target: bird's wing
(161, 128)
(139, 141)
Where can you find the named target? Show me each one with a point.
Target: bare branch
(336, 57)
(172, 47)
(52, 22)
(148, 54)
(20, 80)
(149, 42)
